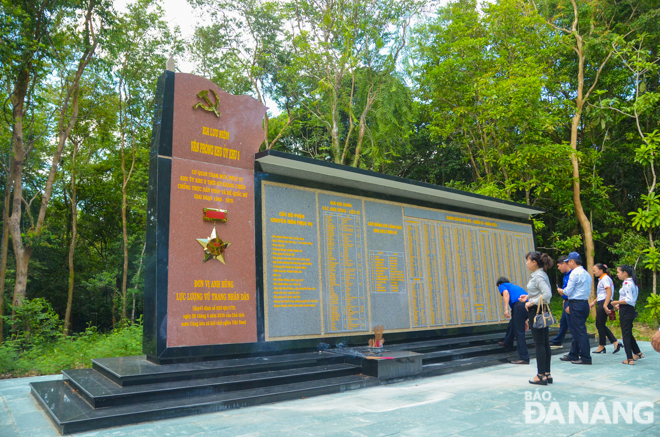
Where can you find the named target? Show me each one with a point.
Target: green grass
(75, 352)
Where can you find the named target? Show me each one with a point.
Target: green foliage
(646, 152)
(630, 249)
(75, 352)
(35, 324)
(652, 258)
(341, 71)
(566, 244)
(653, 306)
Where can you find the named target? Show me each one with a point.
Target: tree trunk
(22, 256)
(585, 224)
(334, 135)
(137, 275)
(126, 178)
(23, 252)
(14, 221)
(580, 101)
(655, 273)
(114, 309)
(361, 132)
(125, 120)
(124, 228)
(5, 249)
(265, 125)
(289, 120)
(72, 246)
(371, 98)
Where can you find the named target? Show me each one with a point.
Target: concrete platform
(489, 401)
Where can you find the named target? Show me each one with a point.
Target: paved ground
(483, 402)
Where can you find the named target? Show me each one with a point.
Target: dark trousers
(580, 347)
(604, 332)
(627, 316)
(541, 343)
(564, 324)
(516, 329)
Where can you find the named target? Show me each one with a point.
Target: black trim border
(154, 342)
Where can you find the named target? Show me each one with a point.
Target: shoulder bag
(543, 318)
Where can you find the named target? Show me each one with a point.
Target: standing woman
(538, 288)
(605, 291)
(627, 314)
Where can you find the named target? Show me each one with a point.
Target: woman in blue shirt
(627, 314)
(511, 294)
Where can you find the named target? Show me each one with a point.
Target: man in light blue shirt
(565, 321)
(578, 291)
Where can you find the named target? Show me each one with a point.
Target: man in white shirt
(578, 291)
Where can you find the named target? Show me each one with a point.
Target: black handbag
(544, 318)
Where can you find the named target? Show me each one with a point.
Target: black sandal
(542, 380)
(638, 356)
(630, 362)
(548, 377)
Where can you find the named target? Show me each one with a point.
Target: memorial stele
(252, 252)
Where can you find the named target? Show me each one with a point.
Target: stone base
(392, 364)
(128, 390)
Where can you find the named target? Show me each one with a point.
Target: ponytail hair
(630, 270)
(604, 268)
(542, 260)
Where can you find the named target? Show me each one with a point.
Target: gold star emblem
(214, 247)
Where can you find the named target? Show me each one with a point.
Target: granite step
(474, 351)
(135, 370)
(471, 340)
(122, 391)
(101, 392)
(421, 346)
(493, 359)
(70, 413)
(465, 352)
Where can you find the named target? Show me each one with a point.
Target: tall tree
(5, 247)
(242, 50)
(641, 64)
(339, 46)
(73, 199)
(141, 42)
(46, 29)
(482, 75)
(585, 29)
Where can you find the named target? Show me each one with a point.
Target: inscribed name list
(343, 263)
(291, 268)
(387, 265)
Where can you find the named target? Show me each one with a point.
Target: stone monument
(200, 283)
(263, 253)
(266, 273)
